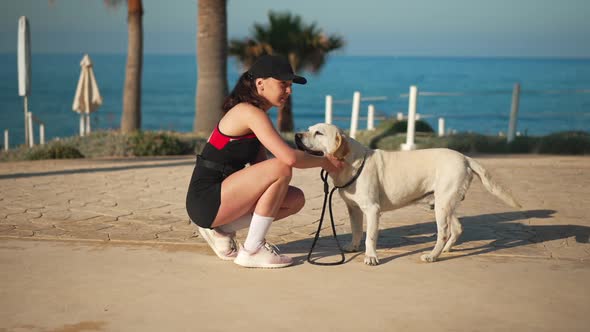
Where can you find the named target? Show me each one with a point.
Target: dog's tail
(490, 185)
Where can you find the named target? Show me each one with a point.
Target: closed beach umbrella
(87, 99)
(24, 65)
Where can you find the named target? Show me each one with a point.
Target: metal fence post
(441, 127)
(513, 113)
(328, 109)
(30, 129)
(6, 146)
(354, 119)
(371, 117)
(42, 134)
(409, 145)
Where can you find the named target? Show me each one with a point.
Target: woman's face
(274, 91)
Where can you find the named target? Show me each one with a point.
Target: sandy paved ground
(105, 245)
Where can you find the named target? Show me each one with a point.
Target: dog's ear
(342, 148)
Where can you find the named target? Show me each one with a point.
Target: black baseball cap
(275, 66)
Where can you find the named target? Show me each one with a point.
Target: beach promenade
(106, 245)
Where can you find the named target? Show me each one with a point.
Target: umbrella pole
(26, 121)
(81, 124)
(87, 123)
(88, 89)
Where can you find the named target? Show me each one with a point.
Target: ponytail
(244, 92)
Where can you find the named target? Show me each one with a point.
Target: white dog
(391, 179)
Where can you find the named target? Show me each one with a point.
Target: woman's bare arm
(259, 122)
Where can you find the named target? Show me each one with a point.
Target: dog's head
(323, 139)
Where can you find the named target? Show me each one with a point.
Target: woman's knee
(282, 170)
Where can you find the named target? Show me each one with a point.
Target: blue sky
(514, 28)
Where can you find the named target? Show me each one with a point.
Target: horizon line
(524, 57)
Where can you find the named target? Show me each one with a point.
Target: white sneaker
(224, 246)
(266, 256)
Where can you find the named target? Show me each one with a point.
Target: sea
(471, 94)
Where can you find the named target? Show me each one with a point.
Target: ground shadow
(97, 169)
(499, 228)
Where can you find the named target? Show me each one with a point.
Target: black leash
(324, 177)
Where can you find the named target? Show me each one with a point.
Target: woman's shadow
(499, 228)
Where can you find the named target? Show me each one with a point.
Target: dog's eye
(317, 133)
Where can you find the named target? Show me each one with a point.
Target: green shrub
(102, 143)
(54, 150)
(460, 142)
(568, 142)
(473, 143)
(402, 127)
(393, 127)
(387, 136)
(523, 144)
(146, 143)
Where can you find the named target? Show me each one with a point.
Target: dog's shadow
(499, 228)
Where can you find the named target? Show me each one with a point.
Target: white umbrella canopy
(87, 98)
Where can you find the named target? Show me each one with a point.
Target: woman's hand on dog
(333, 164)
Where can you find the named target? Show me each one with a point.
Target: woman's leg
(292, 204)
(262, 188)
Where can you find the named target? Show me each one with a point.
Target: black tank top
(235, 151)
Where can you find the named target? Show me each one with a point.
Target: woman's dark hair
(244, 92)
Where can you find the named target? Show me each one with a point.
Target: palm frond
(305, 45)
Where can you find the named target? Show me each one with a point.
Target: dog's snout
(298, 142)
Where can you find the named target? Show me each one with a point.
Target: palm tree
(305, 45)
(131, 118)
(211, 64)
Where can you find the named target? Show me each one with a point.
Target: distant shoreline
(426, 57)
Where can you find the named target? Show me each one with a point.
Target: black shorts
(204, 196)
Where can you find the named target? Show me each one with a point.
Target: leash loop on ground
(328, 197)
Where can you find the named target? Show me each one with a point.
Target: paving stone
(33, 226)
(6, 227)
(127, 234)
(182, 236)
(86, 226)
(22, 217)
(147, 204)
(78, 214)
(51, 232)
(15, 232)
(55, 215)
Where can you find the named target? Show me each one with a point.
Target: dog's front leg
(372, 214)
(356, 227)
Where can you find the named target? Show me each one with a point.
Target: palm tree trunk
(131, 118)
(285, 116)
(211, 64)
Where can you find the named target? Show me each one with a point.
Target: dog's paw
(351, 247)
(427, 258)
(371, 260)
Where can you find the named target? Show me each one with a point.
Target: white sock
(257, 232)
(240, 223)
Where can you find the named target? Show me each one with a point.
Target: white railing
(355, 112)
(411, 128)
(413, 115)
(30, 131)
(6, 142)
